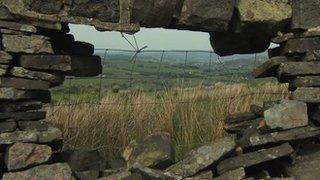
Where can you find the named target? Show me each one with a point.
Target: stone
(12, 32)
(59, 171)
(282, 38)
(83, 160)
(307, 94)
(311, 56)
(236, 174)
(314, 113)
(240, 117)
(44, 6)
(155, 151)
(226, 43)
(46, 62)
(273, 52)
(300, 45)
(264, 15)
(24, 155)
(282, 136)
(304, 81)
(153, 13)
(15, 94)
(33, 125)
(51, 135)
(239, 128)
(305, 14)
(24, 84)
(124, 175)
(203, 157)
(207, 175)
(148, 173)
(206, 15)
(85, 66)
(257, 110)
(269, 104)
(54, 79)
(3, 69)
(305, 167)
(109, 172)
(5, 14)
(8, 127)
(5, 58)
(312, 32)
(18, 26)
(23, 116)
(287, 115)
(82, 48)
(291, 69)
(87, 175)
(32, 44)
(254, 158)
(270, 67)
(20, 106)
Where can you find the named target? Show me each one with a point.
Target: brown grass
(192, 116)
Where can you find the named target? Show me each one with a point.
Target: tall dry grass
(193, 116)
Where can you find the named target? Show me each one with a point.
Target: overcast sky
(155, 39)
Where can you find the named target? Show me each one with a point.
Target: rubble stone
(305, 14)
(8, 127)
(23, 155)
(202, 157)
(207, 175)
(24, 84)
(23, 116)
(34, 44)
(46, 62)
(5, 58)
(254, 158)
(269, 68)
(148, 173)
(20, 106)
(287, 114)
(15, 94)
(18, 26)
(53, 171)
(236, 174)
(307, 94)
(240, 117)
(33, 125)
(304, 81)
(87, 175)
(301, 45)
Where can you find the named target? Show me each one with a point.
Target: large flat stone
(270, 67)
(287, 114)
(25, 155)
(33, 125)
(5, 58)
(236, 174)
(51, 135)
(201, 158)
(148, 173)
(85, 66)
(20, 106)
(155, 151)
(239, 128)
(46, 62)
(56, 171)
(24, 84)
(304, 81)
(305, 14)
(23, 116)
(281, 137)
(82, 48)
(307, 94)
(8, 127)
(15, 94)
(254, 158)
(34, 44)
(18, 26)
(291, 69)
(206, 175)
(204, 15)
(54, 79)
(301, 45)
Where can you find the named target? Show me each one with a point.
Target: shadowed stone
(17, 26)
(5, 58)
(311, 56)
(202, 158)
(27, 44)
(15, 94)
(82, 48)
(46, 62)
(314, 113)
(20, 106)
(207, 175)
(148, 173)
(23, 155)
(236, 174)
(23, 116)
(239, 128)
(44, 6)
(87, 175)
(307, 94)
(33, 125)
(85, 66)
(123, 175)
(257, 110)
(155, 151)
(306, 81)
(55, 79)
(281, 38)
(305, 14)
(287, 114)
(283, 136)
(57, 171)
(240, 117)
(254, 158)
(52, 134)
(3, 69)
(24, 84)
(269, 68)
(204, 15)
(8, 127)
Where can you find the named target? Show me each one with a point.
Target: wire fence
(154, 71)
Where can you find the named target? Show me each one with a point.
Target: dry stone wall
(36, 53)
